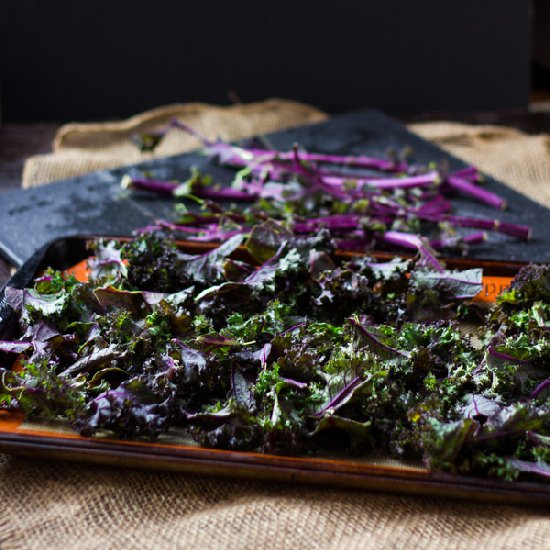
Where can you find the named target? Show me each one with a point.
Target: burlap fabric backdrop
(54, 504)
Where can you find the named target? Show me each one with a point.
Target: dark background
(65, 59)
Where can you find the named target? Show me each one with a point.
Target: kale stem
(467, 188)
(541, 387)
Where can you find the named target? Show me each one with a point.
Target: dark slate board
(95, 204)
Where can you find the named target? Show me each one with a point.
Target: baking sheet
(174, 451)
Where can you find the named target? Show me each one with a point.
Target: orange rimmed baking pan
(174, 451)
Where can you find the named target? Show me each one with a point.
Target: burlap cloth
(67, 505)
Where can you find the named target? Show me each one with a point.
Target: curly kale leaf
(39, 391)
(135, 408)
(265, 239)
(484, 442)
(531, 284)
(451, 285)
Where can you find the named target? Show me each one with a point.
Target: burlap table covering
(68, 505)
